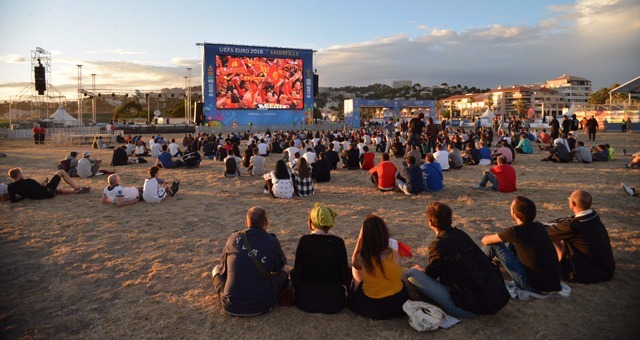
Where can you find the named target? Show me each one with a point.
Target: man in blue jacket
(252, 271)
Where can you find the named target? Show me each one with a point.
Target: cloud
(123, 52)
(13, 58)
(595, 39)
(184, 62)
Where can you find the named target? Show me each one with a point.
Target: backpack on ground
(482, 290)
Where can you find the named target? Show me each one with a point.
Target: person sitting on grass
(366, 160)
(410, 179)
(256, 163)
(165, 159)
(302, 181)
(524, 145)
(446, 280)
(278, 183)
(559, 153)
(432, 174)
(253, 270)
(525, 250)
(155, 189)
(581, 153)
(599, 154)
(378, 291)
(115, 193)
(582, 242)
(22, 187)
(501, 176)
(232, 165)
(321, 169)
(383, 175)
(321, 273)
(88, 167)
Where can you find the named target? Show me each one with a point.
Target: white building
(575, 90)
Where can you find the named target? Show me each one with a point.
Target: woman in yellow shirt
(377, 273)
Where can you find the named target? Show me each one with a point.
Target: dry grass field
(71, 267)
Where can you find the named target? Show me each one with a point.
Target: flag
(402, 248)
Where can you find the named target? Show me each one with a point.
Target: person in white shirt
(88, 167)
(310, 156)
(292, 149)
(263, 148)
(155, 189)
(442, 157)
(156, 148)
(256, 164)
(115, 193)
(174, 148)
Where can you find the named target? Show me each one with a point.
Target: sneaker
(265, 191)
(175, 186)
(83, 190)
(624, 152)
(629, 190)
(477, 186)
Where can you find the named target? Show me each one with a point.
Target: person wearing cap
(321, 273)
(88, 167)
(582, 242)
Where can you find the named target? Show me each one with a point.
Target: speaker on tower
(199, 112)
(41, 82)
(315, 85)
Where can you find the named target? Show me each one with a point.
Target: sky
(147, 45)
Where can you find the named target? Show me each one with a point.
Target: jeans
(509, 259)
(489, 177)
(437, 292)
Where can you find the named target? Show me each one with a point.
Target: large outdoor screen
(245, 82)
(256, 85)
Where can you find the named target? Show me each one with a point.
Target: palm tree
(520, 106)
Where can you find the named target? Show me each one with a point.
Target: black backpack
(482, 290)
(231, 166)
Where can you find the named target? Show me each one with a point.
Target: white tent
(570, 111)
(63, 117)
(488, 114)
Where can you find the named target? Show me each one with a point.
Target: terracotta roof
(566, 77)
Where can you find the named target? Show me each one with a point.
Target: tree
(520, 106)
(488, 102)
(601, 96)
(129, 109)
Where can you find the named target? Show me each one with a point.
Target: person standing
(592, 128)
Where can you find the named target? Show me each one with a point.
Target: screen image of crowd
(258, 83)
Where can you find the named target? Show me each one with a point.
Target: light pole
(189, 94)
(93, 97)
(79, 94)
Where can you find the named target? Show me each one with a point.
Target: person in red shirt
(366, 160)
(501, 176)
(384, 174)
